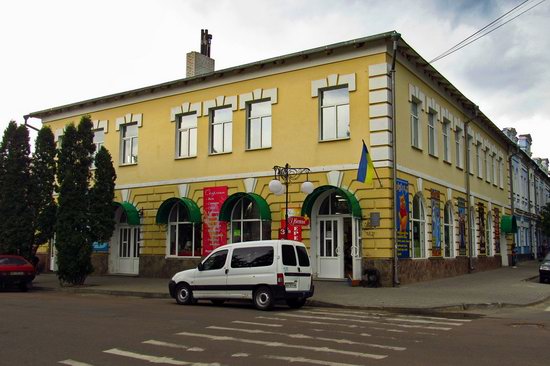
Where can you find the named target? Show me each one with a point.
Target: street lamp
(284, 175)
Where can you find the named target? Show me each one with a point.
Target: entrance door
(331, 251)
(125, 251)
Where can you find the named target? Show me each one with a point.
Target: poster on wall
(402, 218)
(214, 231)
(436, 223)
(481, 223)
(496, 226)
(461, 226)
(294, 231)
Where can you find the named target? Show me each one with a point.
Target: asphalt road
(53, 328)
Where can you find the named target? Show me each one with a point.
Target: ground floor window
(246, 223)
(418, 222)
(184, 236)
(448, 241)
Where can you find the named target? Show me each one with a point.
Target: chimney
(511, 133)
(545, 165)
(525, 142)
(201, 63)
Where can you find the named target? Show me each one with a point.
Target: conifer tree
(101, 197)
(7, 139)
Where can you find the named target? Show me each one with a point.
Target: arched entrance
(336, 246)
(125, 242)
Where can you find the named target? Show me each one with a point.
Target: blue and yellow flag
(365, 172)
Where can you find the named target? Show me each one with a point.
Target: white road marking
(173, 345)
(240, 355)
(271, 318)
(283, 345)
(547, 309)
(390, 330)
(362, 316)
(402, 316)
(74, 363)
(368, 321)
(156, 359)
(261, 324)
(307, 360)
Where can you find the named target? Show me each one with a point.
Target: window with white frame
(473, 232)
(186, 135)
(479, 161)
(446, 140)
(258, 125)
(334, 114)
(432, 133)
(246, 223)
(418, 222)
(494, 164)
(489, 234)
(184, 236)
(99, 138)
(448, 232)
(469, 155)
(221, 130)
(458, 147)
(487, 167)
(129, 143)
(415, 125)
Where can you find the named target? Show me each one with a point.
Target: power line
(462, 43)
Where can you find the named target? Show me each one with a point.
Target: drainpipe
(512, 202)
(469, 193)
(395, 39)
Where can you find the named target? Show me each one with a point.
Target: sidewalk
(506, 286)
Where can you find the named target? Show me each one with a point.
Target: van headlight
(545, 267)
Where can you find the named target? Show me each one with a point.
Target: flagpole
(375, 172)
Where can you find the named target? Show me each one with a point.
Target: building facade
(194, 159)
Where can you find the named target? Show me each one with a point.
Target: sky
(58, 52)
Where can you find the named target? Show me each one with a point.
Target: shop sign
(402, 218)
(298, 221)
(496, 227)
(461, 226)
(214, 232)
(294, 232)
(436, 223)
(100, 247)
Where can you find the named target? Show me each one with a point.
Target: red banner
(214, 232)
(294, 232)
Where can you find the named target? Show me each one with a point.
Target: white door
(211, 281)
(357, 250)
(331, 251)
(125, 250)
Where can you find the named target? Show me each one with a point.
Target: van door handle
(299, 270)
(226, 271)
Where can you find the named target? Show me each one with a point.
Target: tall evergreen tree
(74, 238)
(43, 185)
(102, 195)
(7, 140)
(16, 209)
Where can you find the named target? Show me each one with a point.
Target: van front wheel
(184, 295)
(263, 298)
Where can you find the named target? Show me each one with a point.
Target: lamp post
(284, 175)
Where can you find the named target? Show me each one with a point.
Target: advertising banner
(461, 226)
(100, 247)
(294, 231)
(436, 223)
(214, 231)
(481, 224)
(402, 225)
(496, 226)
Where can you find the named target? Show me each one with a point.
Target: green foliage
(102, 195)
(73, 232)
(545, 221)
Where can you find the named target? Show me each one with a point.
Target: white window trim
(247, 125)
(423, 222)
(446, 127)
(128, 119)
(169, 224)
(418, 131)
(432, 133)
(320, 113)
(178, 135)
(459, 147)
(210, 134)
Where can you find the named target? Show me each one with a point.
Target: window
(334, 204)
(446, 141)
(184, 236)
(334, 114)
(252, 257)
(186, 136)
(415, 125)
(99, 139)
(473, 233)
(303, 258)
(221, 130)
(246, 224)
(258, 125)
(129, 144)
(215, 261)
(494, 163)
(432, 134)
(418, 222)
(487, 167)
(479, 161)
(448, 234)
(469, 155)
(458, 147)
(289, 255)
(489, 235)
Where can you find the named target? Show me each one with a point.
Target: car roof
(259, 242)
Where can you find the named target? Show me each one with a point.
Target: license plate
(290, 284)
(17, 273)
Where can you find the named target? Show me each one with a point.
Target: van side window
(289, 255)
(252, 257)
(302, 256)
(215, 261)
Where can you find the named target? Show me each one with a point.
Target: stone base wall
(418, 270)
(162, 267)
(100, 261)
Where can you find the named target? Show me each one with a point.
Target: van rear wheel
(296, 303)
(184, 295)
(263, 298)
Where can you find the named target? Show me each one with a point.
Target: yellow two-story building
(194, 159)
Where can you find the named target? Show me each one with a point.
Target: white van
(261, 271)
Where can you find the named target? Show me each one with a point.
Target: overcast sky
(57, 52)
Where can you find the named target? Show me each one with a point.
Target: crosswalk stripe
(547, 309)
(308, 360)
(172, 345)
(283, 345)
(74, 363)
(156, 359)
(261, 324)
(303, 336)
(271, 318)
(441, 318)
(362, 316)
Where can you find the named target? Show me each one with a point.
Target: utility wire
(462, 43)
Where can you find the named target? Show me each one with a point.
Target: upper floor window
(446, 141)
(469, 155)
(221, 130)
(458, 147)
(479, 161)
(432, 134)
(186, 136)
(487, 167)
(129, 143)
(415, 125)
(335, 114)
(99, 138)
(494, 164)
(258, 125)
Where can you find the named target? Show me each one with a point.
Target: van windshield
(302, 256)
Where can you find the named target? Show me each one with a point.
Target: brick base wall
(162, 267)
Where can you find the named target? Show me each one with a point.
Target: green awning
(312, 197)
(132, 214)
(227, 207)
(164, 210)
(508, 224)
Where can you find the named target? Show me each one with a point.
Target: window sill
(127, 164)
(185, 157)
(448, 162)
(433, 156)
(419, 149)
(460, 168)
(220, 153)
(259, 148)
(336, 139)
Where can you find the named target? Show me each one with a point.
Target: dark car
(544, 269)
(16, 271)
